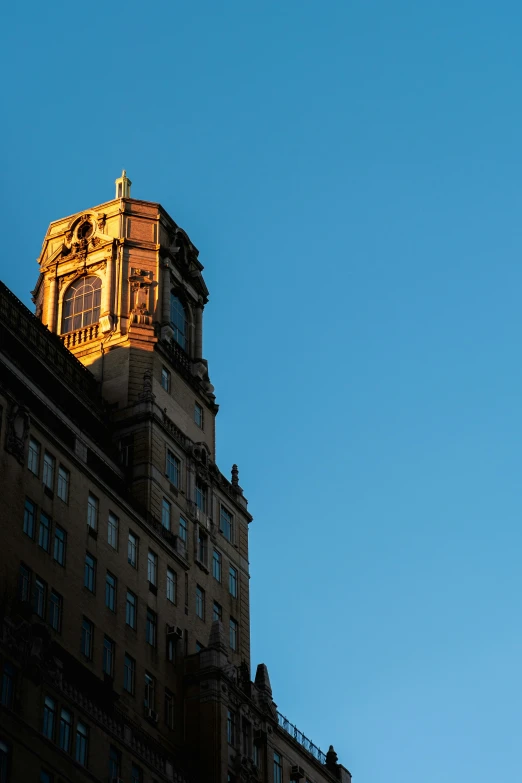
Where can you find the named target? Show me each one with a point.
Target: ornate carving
(147, 394)
(17, 431)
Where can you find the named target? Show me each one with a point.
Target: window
(201, 495)
(198, 415)
(4, 761)
(246, 735)
(150, 691)
(55, 611)
(171, 585)
(165, 379)
(278, 769)
(202, 547)
(129, 674)
(81, 304)
(216, 565)
(152, 567)
(173, 469)
(110, 591)
(63, 484)
(183, 531)
(82, 743)
(24, 583)
(48, 718)
(130, 611)
(178, 321)
(114, 763)
(233, 634)
(225, 523)
(87, 634)
(64, 740)
(132, 550)
(165, 514)
(33, 460)
(89, 573)
(232, 582)
(169, 709)
(112, 530)
(217, 613)
(60, 540)
(29, 518)
(151, 628)
(45, 777)
(108, 656)
(44, 531)
(256, 757)
(136, 774)
(92, 511)
(231, 727)
(39, 595)
(48, 470)
(171, 649)
(8, 676)
(200, 602)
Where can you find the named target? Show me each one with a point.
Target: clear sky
(351, 172)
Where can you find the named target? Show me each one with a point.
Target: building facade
(124, 592)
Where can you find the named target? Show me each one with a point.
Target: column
(198, 345)
(51, 304)
(165, 314)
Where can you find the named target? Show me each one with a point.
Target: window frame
(89, 573)
(93, 511)
(217, 565)
(109, 649)
(55, 610)
(49, 469)
(172, 580)
(64, 480)
(81, 750)
(132, 549)
(229, 532)
(152, 568)
(165, 379)
(200, 603)
(65, 730)
(173, 468)
(110, 591)
(233, 634)
(129, 674)
(166, 512)
(60, 544)
(199, 415)
(47, 531)
(233, 581)
(29, 524)
(87, 638)
(49, 715)
(113, 525)
(131, 607)
(151, 628)
(31, 459)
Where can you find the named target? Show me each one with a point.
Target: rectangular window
(60, 541)
(8, 676)
(24, 583)
(233, 634)
(4, 761)
(198, 415)
(246, 734)
(225, 523)
(151, 628)
(165, 379)
(132, 550)
(183, 531)
(165, 514)
(29, 518)
(129, 674)
(64, 740)
(202, 547)
(45, 777)
(87, 638)
(200, 602)
(130, 611)
(169, 709)
(48, 470)
(171, 649)
(48, 718)
(114, 763)
(82, 744)
(44, 531)
(216, 565)
(232, 582)
(33, 461)
(92, 511)
(231, 727)
(173, 468)
(171, 585)
(110, 591)
(201, 495)
(152, 567)
(89, 573)
(112, 530)
(39, 596)
(136, 774)
(278, 769)
(150, 692)
(217, 613)
(108, 656)
(55, 611)
(63, 484)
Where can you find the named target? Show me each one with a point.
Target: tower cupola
(123, 186)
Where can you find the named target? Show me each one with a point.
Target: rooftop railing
(299, 737)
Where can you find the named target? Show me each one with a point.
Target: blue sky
(351, 173)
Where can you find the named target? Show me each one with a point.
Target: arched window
(178, 321)
(81, 305)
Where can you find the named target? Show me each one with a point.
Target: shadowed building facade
(124, 594)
